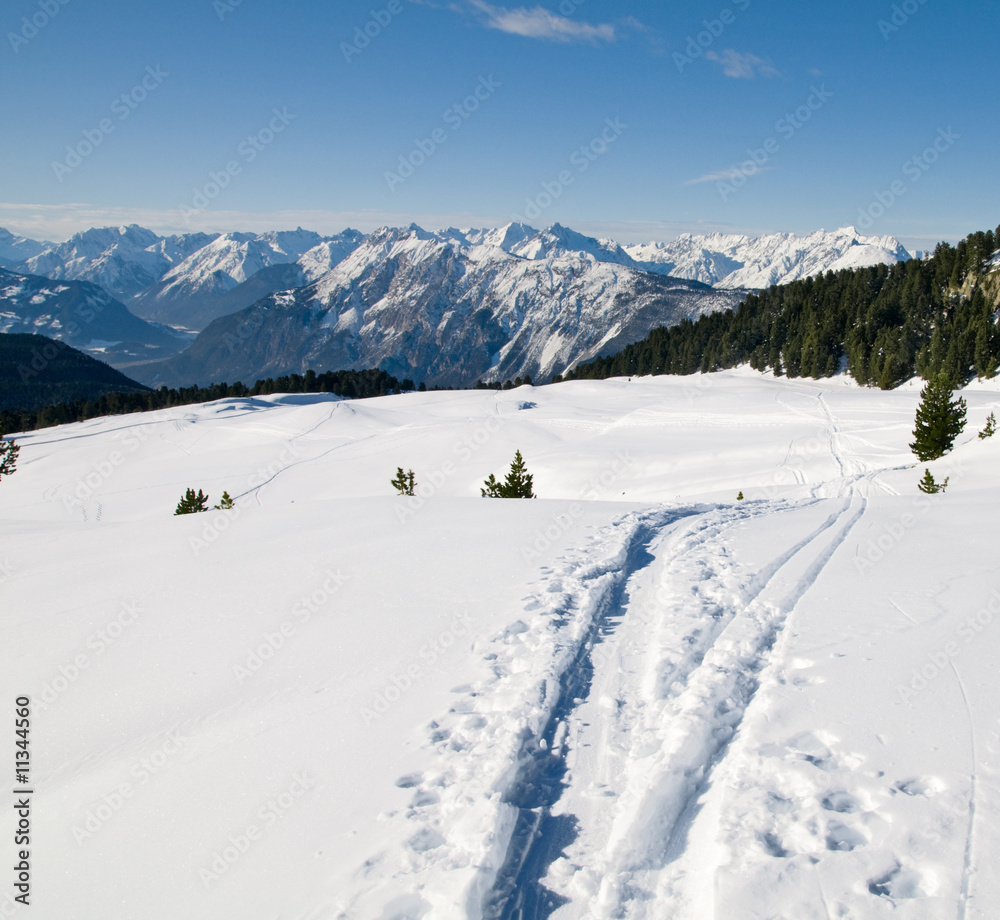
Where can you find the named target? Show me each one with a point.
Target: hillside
(884, 323)
(635, 697)
(82, 315)
(36, 371)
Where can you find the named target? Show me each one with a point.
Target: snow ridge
(737, 261)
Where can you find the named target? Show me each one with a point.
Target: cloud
(742, 66)
(538, 22)
(724, 175)
(58, 222)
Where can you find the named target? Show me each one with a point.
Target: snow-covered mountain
(735, 261)
(123, 260)
(14, 250)
(83, 315)
(192, 293)
(448, 308)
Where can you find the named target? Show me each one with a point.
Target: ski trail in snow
(498, 750)
(968, 867)
(697, 723)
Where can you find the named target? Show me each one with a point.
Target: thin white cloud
(742, 66)
(538, 22)
(726, 174)
(57, 222)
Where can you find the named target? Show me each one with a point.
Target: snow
(336, 702)
(737, 261)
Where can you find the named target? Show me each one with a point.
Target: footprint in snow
(917, 786)
(903, 884)
(841, 837)
(841, 802)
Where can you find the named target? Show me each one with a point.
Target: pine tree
(191, 503)
(940, 419)
(739, 497)
(929, 486)
(518, 483)
(404, 483)
(990, 429)
(8, 455)
(226, 503)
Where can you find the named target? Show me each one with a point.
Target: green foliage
(990, 429)
(929, 486)
(404, 483)
(8, 455)
(226, 503)
(940, 419)
(192, 503)
(924, 316)
(739, 497)
(518, 483)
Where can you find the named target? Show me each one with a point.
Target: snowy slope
(447, 308)
(16, 249)
(735, 261)
(333, 702)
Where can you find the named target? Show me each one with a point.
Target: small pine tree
(940, 419)
(739, 497)
(8, 455)
(226, 503)
(518, 483)
(928, 485)
(404, 483)
(191, 503)
(990, 429)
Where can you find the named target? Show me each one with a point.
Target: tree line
(887, 323)
(349, 384)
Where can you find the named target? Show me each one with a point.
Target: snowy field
(635, 697)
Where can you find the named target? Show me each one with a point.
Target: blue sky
(635, 120)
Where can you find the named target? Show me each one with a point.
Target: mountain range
(445, 307)
(85, 316)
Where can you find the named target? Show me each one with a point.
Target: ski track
(582, 768)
